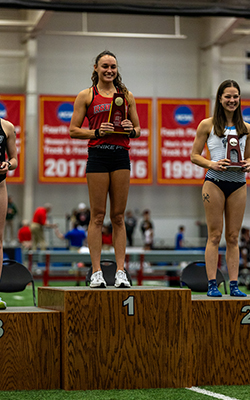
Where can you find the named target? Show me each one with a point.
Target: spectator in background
(146, 218)
(130, 224)
(107, 240)
(244, 245)
(179, 239)
(82, 216)
(148, 235)
(75, 236)
(24, 235)
(38, 224)
(71, 219)
(9, 226)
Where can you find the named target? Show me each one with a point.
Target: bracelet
(132, 134)
(9, 163)
(97, 133)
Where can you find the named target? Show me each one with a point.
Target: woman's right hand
(220, 165)
(106, 128)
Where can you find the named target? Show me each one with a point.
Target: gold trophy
(233, 152)
(117, 113)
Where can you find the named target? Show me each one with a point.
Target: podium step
(30, 349)
(221, 347)
(123, 338)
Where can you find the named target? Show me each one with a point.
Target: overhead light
(118, 34)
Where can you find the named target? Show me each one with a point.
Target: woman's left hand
(245, 165)
(127, 125)
(4, 168)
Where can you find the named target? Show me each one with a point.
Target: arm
(133, 120)
(58, 233)
(246, 161)
(10, 133)
(201, 137)
(80, 109)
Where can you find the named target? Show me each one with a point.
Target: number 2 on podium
(246, 320)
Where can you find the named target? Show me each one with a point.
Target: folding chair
(15, 277)
(194, 276)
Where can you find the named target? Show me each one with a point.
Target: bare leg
(3, 211)
(234, 212)
(214, 202)
(98, 185)
(119, 187)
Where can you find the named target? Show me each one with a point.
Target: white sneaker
(121, 279)
(97, 280)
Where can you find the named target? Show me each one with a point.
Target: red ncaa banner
(63, 160)
(177, 123)
(141, 148)
(12, 108)
(245, 107)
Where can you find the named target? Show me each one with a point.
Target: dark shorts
(226, 187)
(2, 177)
(107, 158)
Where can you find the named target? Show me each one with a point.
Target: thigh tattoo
(206, 197)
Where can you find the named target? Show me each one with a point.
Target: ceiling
(30, 17)
(239, 8)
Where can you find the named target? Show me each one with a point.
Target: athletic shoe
(213, 290)
(121, 279)
(236, 292)
(97, 280)
(3, 305)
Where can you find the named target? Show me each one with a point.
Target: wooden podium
(30, 349)
(123, 338)
(221, 346)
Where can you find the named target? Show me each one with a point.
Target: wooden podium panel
(221, 345)
(123, 338)
(29, 349)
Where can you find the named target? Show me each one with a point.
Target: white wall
(149, 68)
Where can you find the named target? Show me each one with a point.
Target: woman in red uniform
(108, 166)
(7, 144)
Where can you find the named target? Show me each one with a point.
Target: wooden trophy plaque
(117, 113)
(233, 152)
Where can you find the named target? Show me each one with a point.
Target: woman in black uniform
(108, 166)
(7, 144)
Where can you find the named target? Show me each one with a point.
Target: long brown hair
(219, 117)
(117, 81)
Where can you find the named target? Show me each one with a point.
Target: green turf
(236, 392)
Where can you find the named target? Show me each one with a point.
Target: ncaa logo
(65, 111)
(3, 111)
(246, 114)
(183, 115)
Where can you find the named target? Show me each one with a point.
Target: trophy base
(122, 132)
(235, 167)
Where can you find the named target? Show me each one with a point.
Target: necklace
(103, 90)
